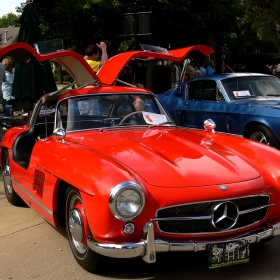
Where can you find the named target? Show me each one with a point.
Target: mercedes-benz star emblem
(225, 215)
(223, 187)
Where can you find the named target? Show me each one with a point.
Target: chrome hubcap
(7, 179)
(76, 225)
(260, 137)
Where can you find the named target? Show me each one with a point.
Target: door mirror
(59, 133)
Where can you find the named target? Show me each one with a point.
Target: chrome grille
(198, 217)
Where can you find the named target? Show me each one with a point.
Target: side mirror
(59, 134)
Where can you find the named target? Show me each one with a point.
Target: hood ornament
(209, 125)
(223, 188)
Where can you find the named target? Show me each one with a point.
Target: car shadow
(189, 265)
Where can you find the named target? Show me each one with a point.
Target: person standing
(202, 70)
(197, 70)
(189, 71)
(2, 79)
(175, 74)
(8, 84)
(128, 75)
(210, 70)
(91, 55)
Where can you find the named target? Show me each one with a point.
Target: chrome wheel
(76, 225)
(262, 134)
(77, 230)
(11, 195)
(260, 137)
(7, 179)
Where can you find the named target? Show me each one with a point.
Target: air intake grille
(198, 217)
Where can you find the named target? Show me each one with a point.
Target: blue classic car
(239, 103)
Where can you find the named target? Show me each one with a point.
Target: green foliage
(9, 20)
(242, 25)
(67, 78)
(56, 77)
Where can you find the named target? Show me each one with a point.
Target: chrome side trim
(33, 198)
(148, 248)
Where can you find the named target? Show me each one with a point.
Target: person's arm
(104, 57)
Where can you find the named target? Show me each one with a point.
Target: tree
(9, 20)
(241, 25)
(260, 22)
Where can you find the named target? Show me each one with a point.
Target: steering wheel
(129, 115)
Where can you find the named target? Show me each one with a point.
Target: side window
(219, 95)
(204, 91)
(209, 92)
(195, 91)
(62, 113)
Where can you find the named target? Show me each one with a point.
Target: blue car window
(202, 91)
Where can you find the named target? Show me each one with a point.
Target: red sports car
(107, 163)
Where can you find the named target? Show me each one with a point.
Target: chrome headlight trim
(114, 198)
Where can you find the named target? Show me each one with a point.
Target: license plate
(230, 253)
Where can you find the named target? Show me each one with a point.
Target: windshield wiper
(273, 95)
(159, 124)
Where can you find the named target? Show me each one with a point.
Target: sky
(9, 6)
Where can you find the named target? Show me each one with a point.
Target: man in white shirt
(2, 79)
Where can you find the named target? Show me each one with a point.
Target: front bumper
(148, 248)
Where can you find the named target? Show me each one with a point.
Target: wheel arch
(60, 203)
(3, 150)
(261, 123)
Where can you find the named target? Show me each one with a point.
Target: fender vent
(39, 182)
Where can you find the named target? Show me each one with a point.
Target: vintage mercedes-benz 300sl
(107, 163)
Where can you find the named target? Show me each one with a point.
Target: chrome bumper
(148, 248)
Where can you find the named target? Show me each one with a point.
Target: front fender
(270, 124)
(81, 167)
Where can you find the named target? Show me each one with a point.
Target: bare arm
(104, 57)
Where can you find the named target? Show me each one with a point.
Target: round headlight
(126, 201)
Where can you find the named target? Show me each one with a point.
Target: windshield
(110, 110)
(254, 86)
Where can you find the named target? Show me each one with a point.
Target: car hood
(169, 157)
(272, 102)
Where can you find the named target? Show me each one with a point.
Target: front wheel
(77, 231)
(11, 195)
(263, 135)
